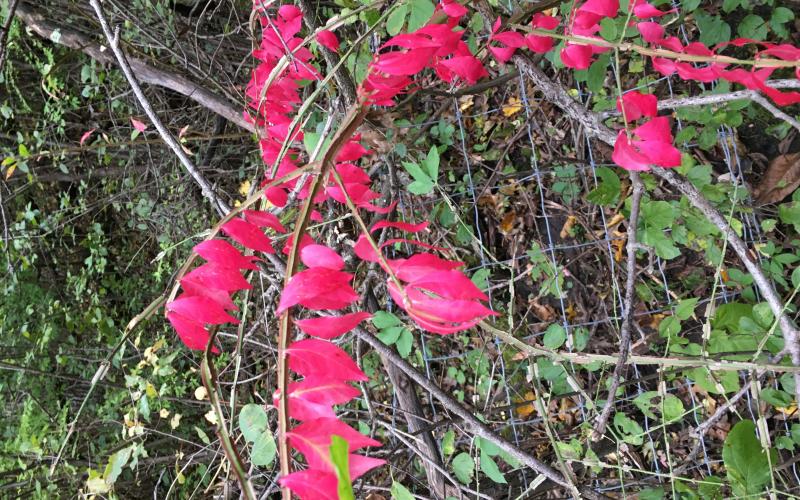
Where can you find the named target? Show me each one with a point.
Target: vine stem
(351, 122)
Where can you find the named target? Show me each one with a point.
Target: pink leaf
(221, 297)
(86, 136)
(223, 253)
(544, 21)
(320, 358)
(211, 275)
(333, 326)
(264, 219)
(318, 288)
(468, 68)
(201, 309)
(576, 56)
(449, 284)
(321, 256)
(327, 39)
(657, 129)
(312, 484)
(140, 126)
(192, 334)
(651, 32)
(539, 44)
(638, 105)
(419, 265)
(248, 235)
(404, 63)
(627, 157)
(453, 8)
(304, 240)
(314, 397)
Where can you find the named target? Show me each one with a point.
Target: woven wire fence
(660, 467)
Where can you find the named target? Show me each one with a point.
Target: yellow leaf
(200, 393)
(512, 107)
(10, 171)
(244, 188)
(527, 409)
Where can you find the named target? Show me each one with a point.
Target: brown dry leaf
(572, 314)
(620, 244)
(507, 224)
(780, 180)
(544, 312)
(566, 230)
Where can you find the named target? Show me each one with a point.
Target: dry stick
(594, 126)
(351, 122)
(627, 320)
(113, 40)
(143, 71)
(777, 113)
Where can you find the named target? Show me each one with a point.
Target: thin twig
(627, 319)
(4, 35)
(113, 40)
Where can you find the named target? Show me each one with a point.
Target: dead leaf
(526, 410)
(507, 224)
(512, 107)
(566, 230)
(544, 312)
(780, 180)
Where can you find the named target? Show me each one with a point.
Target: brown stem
(627, 320)
(351, 122)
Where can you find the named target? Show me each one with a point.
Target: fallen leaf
(544, 312)
(619, 244)
(86, 136)
(566, 230)
(780, 180)
(140, 126)
(512, 107)
(507, 224)
(526, 409)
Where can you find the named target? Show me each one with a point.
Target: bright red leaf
(330, 327)
(320, 358)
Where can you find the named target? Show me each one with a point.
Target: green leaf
(713, 29)
(390, 335)
(780, 16)
(396, 20)
(489, 467)
(400, 492)
(384, 319)
(608, 30)
(651, 494)
(449, 443)
(421, 12)
(422, 184)
(776, 397)
(661, 243)
(339, 458)
(685, 308)
(753, 26)
(481, 278)
(115, 464)
(607, 191)
(405, 343)
(657, 214)
(554, 336)
(631, 430)
(254, 425)
(464, 467)
(431, 163)
(747, 465)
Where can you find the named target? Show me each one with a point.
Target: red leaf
(320, 358)
(201, 309)
(419, 265)
(264, 219)
(223, 253)
(539, 44)
(321, 256)
(318, 432)
(318, 288)
(211, 275)
(140, 126)
(627, 157)
(404, 63)
(248, 235)
(86, 135)
(332, 326)
(449, 284)
(544, 21)
(453, 8)
(304, 241)
(657, 129)
(403, 226)
(638, 105)
(221, 297)
(314, 397)
(468, 68)
(192, 334)
(651, 32)
(312, 484)
(642, 9)
(327, 39)
(576, 56)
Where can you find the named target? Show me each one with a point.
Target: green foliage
(747, 465)
(393, 332)
(254, 425)
(340, 459)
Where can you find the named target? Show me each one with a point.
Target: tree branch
(143, 71)
(166, 135)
